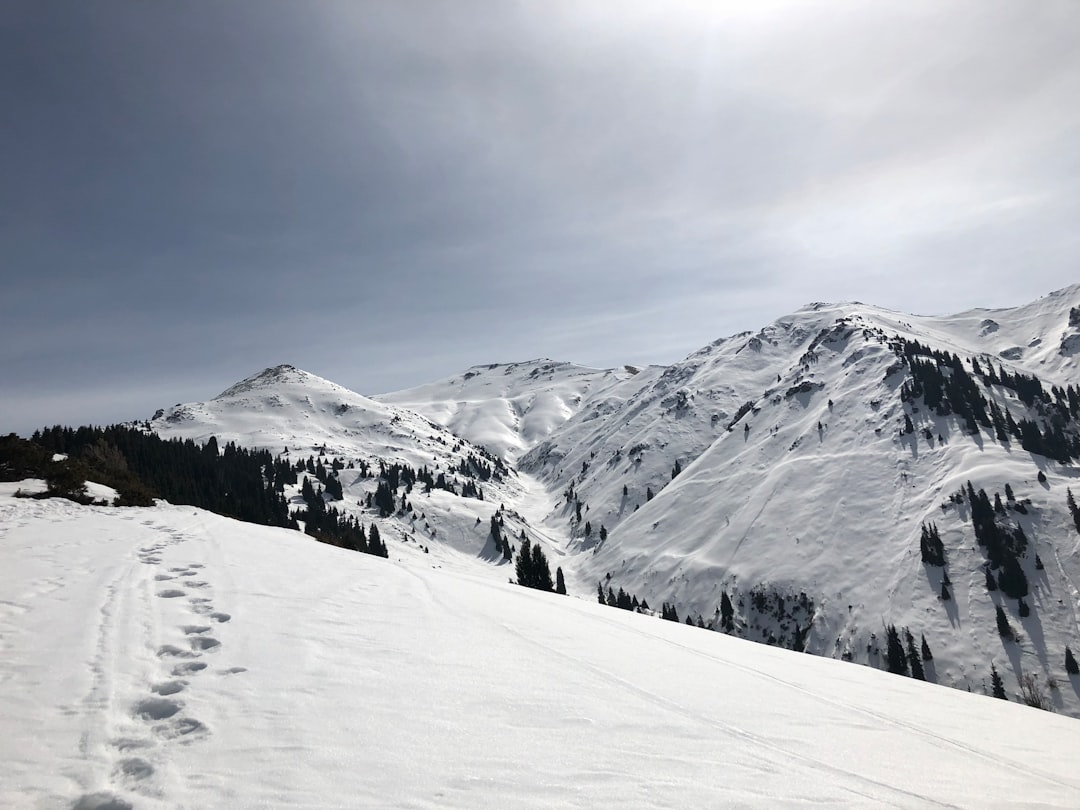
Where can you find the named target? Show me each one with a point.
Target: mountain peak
(270, 377)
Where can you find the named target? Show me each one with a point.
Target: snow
(510, 408)
(168, 657)
(821, 496)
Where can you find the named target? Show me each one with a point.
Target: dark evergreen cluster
(328, 525)
(1004, 546)
(532, 568)
(931, 547)
(238, 483)
(669, 612)
(502, 542)
(1073, 510)
(481, 469)
(327, 477)
(945, 385)
(903, 656)
(244, 484)
(623, 600)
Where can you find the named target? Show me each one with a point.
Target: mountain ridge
(787, 471)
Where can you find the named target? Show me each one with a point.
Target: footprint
(163, 577)
(195, 583)
(100, 801)
(195, 600)
(204, 643)
(233, 670)
(129, 744)
(220, 617)
(195, 629)
(201, 609)
(189, 668)
(172, 651)
(184, 727)
(179, 570)
(156, 708)
(171, 593)
(168, 687)
(196, 565)
(134, 769)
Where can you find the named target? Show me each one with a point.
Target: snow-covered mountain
(168, 657)
(788, 473)
(510, 408)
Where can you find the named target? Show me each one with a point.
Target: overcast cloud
(386, 193)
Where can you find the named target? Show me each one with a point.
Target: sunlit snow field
(168, 657)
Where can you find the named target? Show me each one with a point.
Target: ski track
(782, 757)
(784, 754)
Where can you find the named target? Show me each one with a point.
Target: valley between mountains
(778, 486)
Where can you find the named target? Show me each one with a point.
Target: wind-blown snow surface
(168, 657)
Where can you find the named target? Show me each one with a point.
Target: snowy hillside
(773, 485)
(167, 657)
(801, 493)
(509, 408)
(298, 415)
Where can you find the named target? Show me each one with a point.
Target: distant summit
(274, 376)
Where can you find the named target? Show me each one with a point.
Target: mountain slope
(801, 495)
(301, 416)
(168, 657)
(509, 408)
(789, 473)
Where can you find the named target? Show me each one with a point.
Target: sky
(385, 193)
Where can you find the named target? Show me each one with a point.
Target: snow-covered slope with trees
(793, 469)
(774, 485)
(167, 657)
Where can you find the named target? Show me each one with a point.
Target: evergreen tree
(914, 658)
(1070, 663)
(560, 583)
(1004, 628)
(926, 654)
(727, 612)
(997, 686)
(945, 595)
(375, 544)
(600, 593)
(897, 658)
(523, 566)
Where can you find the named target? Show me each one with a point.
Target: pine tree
(600, 593)
(897, 658)
(997, 685)
(1070, 663)
(1003, 626)
(926, 654)
(1073, 510)
(945, 596)
(560, 583)
(914, 658)
(727, 612)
